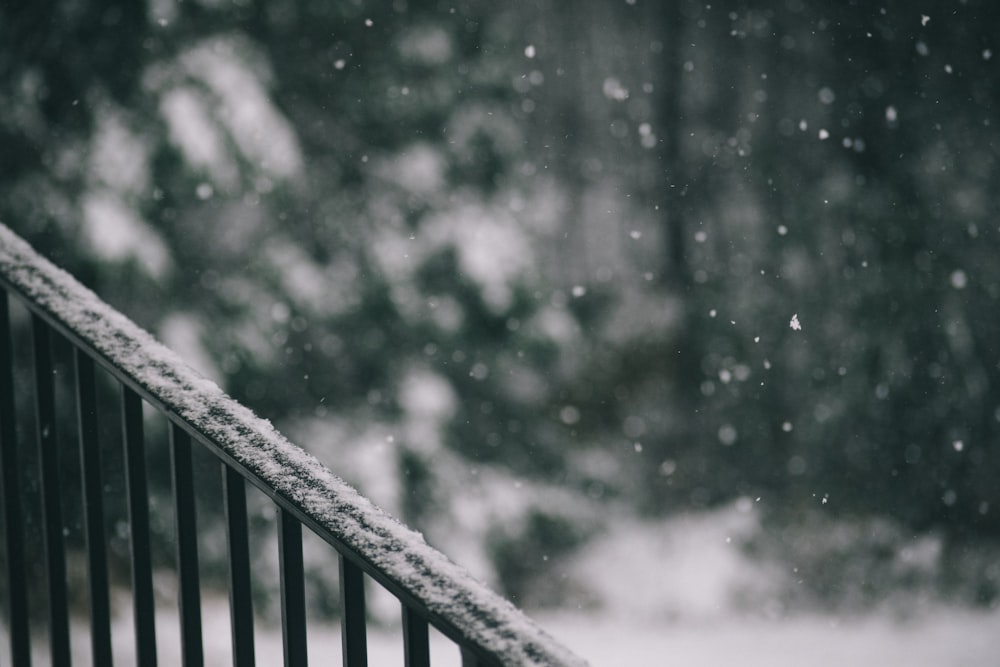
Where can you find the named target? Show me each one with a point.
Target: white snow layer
(458, 604)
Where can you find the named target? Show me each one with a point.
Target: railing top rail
(397, 557)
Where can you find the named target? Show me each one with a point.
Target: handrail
(432, 589)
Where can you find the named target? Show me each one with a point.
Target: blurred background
(707, 290)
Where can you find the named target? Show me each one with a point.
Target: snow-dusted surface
(942, 638)
(449, 593)
(682, 591)
(947, 638)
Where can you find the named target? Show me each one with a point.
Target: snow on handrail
(394, 555)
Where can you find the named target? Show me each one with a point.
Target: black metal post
(240, 594)
(189, 593)
(469, 659)
(416, 642)
(55, 550)
(293, 594)
(143, 603)
(354, 637)
(17, 590)
(93, 509)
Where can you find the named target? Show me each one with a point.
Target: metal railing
(432, 590)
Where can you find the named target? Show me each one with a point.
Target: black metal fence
(370, 545)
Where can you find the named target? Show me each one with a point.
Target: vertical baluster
(93, 509)
(55, 553)
(17, 590)
(189, 593)
(143, 603)
(468, 659)
(240, 598)
(293, 595)
(352, 624)
(416, 642)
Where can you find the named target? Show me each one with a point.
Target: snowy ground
(945, 638)
(676, 592)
